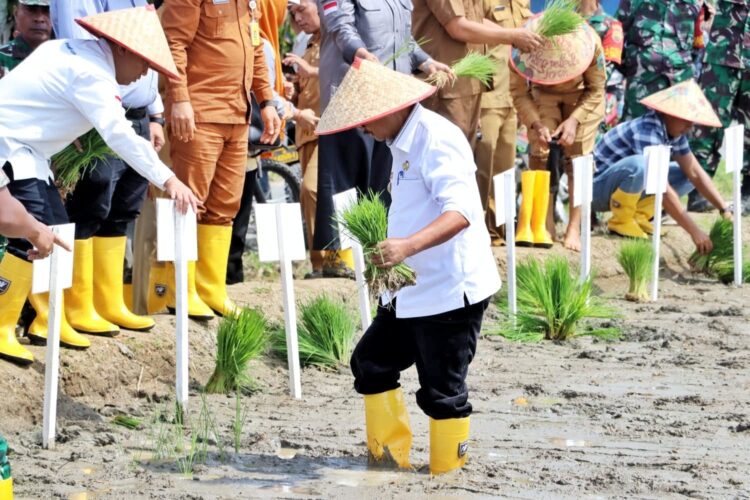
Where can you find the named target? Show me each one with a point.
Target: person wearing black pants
(435, 226)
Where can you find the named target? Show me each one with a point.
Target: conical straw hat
(368, 92)
(684, 100)
(559, 59)
(138, 30)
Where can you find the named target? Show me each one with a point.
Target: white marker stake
(55, 279)
(341, 202)
(583, 187)
(280, 238)
(657, 171)
(733, 142)
(505, 213)
(177, 241)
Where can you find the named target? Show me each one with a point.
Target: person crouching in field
(435, 225)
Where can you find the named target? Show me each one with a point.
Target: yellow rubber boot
(109, 255)
(449, 444)
(388, 431)
(79, 299)
(127, 295)
(622, 222)
(15, 284)
(6, 489)
(211, 270)
(644, 212)
(38, 329)
(542, 238)
(197, 309)
(158, 287)
(524, 236)
(346, 257)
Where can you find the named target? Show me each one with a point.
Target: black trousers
(442, 346)
(109, 197)
(41, 199)
(346, 160)
(240, 224)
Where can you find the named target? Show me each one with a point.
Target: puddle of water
(354, 478)
(286, 453)
(569, 443)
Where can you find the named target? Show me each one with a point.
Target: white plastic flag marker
(583, 192)
(177, 241)
(733, 159)
(281, 238)
(341, 202)
(53, 275)
(505, 213)
(657, 173)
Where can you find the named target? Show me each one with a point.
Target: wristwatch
(728, 208)
(263, 104)
(157, 119)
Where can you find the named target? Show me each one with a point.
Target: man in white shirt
(435, 225)
(57, 94)
(108, 198)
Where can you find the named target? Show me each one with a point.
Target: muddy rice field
(663, 412)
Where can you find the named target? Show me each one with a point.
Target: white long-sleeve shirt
(62, 90)
(139, 94)
(433, 172)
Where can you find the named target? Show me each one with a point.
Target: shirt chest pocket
(374, 23)
(216, 18)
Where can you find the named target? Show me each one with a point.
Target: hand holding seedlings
(391, 252)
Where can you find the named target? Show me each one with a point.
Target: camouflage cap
(37, 3)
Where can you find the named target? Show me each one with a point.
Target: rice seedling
(552, 302)
(635, 257)
(367, 222)
(325, 333)
(560, 17)
(721, 235)
(481, 67)
(241, 337)
(70, 164)
(127, 422)
(405, 48)
(725, 272)
(240, 419)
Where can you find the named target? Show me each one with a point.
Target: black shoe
(697, 203)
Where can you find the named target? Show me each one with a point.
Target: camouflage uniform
(609, 30)
(659, 40)
(12, 54)
(726, 82)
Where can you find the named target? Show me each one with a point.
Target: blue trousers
(629, 175)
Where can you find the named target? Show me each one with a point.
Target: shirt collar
(107, 50)
(663, 128)
(405, 137)
(20, 49)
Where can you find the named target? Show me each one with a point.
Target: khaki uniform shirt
(217, 64)
(429, 19)
(590, 86)
(507, 14)
(309, 93)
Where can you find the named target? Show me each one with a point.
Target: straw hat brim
(557, 61)
(386, 92)
(686, 101)
(153, 64)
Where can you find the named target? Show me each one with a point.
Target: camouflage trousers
(638, 87)
(728, 91)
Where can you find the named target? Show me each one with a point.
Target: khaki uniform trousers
(494, 153)
(462, 111)
(308, 157)
(553, 110)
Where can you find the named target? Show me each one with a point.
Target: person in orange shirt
(219, 57)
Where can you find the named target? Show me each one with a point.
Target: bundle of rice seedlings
(325, 333)
(560, 17)
(552, 302)
(636, 257)
(367, 222)
(725, 272)
(70, 163)
(481, 67)
(241, 337)
(721, 235)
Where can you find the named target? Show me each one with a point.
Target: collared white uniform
(434, 172)
(139, 94)
(62, 90)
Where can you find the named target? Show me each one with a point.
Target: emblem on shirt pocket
(405, 166)
(463, 449)
(4, 285)
(160, 290)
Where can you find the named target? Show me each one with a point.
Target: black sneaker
(697, 203)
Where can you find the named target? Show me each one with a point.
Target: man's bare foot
(572, 239)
